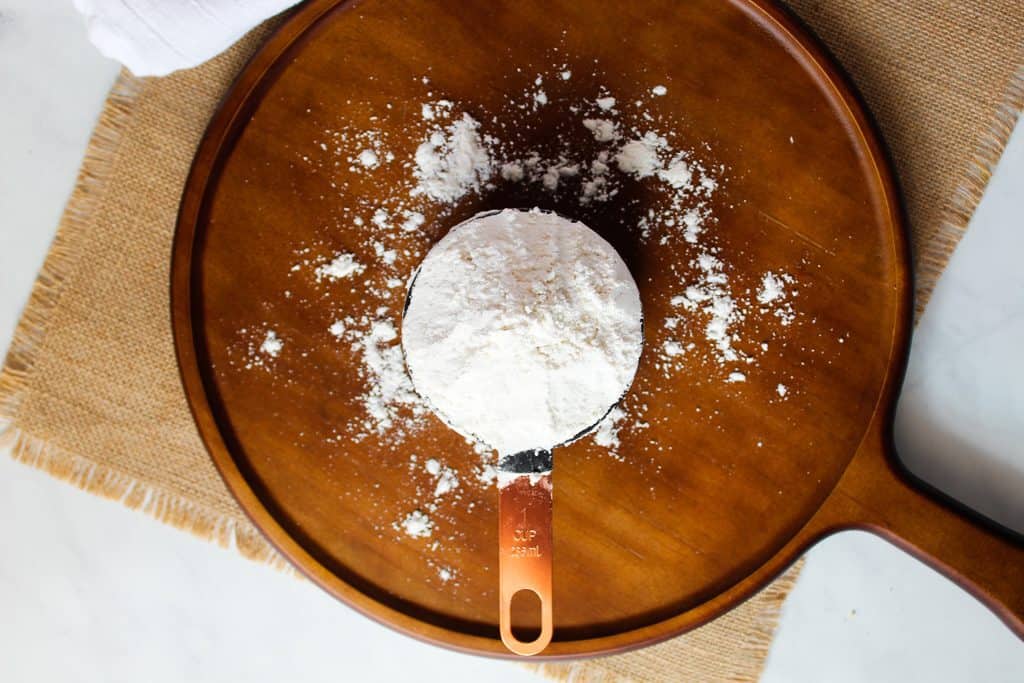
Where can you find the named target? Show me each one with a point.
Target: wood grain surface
(728, 486)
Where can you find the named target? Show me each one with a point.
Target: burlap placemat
(90, 391)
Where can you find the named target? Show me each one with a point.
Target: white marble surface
(90, 591)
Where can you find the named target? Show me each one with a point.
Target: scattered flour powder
(607, 433)
(390, 388)
(641, 157)
(271, 344)
(458, 157)
(452, 161)
(447, 479)
(461, 155)
(417, 525)
(343, 265)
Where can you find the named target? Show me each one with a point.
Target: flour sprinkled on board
(453, 160)
(341, 266)
(459, 154)
(417, 525)
(607, 433)
(397, 198)
(271, 345)
(772, 288)
(390, 387)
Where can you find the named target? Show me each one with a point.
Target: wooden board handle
(985, 559)
(524, 559)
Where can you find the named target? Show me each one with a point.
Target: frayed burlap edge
(162, 506)
(74, 227)
(933, 258)
(759, 618)
(90, 185)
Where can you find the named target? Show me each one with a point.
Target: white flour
(641, 157)
(461, 154)
(390, 388)
(412, 220)
(368, 158)
(772, 294)
(417, 525)
(717, 323)
(452, 161)
(607, 433)
(522, 329)
(772, 288)
(709, 295)
(603, 129)
(343, 265)
(446, 478)
(271, 344)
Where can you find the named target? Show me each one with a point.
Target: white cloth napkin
(156, 37)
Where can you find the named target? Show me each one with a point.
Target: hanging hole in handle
(533, 602)
(526, 615)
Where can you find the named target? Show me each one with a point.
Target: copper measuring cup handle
(524, 555)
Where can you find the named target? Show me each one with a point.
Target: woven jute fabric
(90, 390)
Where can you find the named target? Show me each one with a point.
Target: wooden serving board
(728, 485)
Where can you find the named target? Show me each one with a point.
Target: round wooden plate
(729, 485)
